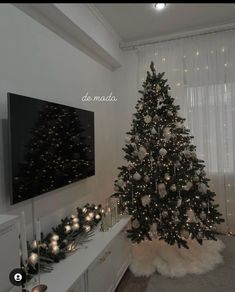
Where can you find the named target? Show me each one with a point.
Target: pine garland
(72, 233)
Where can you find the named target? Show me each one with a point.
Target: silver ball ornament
(137, 176)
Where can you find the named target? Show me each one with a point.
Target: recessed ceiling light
(159, 6)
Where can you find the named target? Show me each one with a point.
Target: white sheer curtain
(201, 73)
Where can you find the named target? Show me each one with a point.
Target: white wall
(36, 62)
(125, 87)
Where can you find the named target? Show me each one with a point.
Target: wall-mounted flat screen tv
(51, 145)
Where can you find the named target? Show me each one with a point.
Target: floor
(222, 279)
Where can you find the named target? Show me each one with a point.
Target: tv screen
(52, 145)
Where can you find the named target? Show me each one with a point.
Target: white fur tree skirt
(171, 261)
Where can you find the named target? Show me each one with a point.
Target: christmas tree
(164, 185)
(56, 154)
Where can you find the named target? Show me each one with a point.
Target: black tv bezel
(10, 168)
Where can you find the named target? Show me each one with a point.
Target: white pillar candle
(23, 237)
(38, 231)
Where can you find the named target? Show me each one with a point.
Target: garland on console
(65, 238)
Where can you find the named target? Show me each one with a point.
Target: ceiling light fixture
(159, 6)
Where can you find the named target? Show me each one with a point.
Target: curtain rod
(133, 45)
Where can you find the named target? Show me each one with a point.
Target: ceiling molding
(55, 19)
(104, 21)
(170, 37)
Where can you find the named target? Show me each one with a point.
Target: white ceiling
(134, 22)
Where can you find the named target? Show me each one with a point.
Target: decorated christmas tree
(164, 185)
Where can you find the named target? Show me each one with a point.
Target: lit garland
(164, 186)
(65, 238)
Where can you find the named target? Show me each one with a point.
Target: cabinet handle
(101, 260)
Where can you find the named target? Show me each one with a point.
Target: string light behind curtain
(201, 73)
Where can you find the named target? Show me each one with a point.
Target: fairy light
(33, 258)
(67, 228)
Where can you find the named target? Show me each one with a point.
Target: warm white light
(75, 226)
(33, 258)
(55, 237)
(159, 6)
(91, 214)
(67, 228)
(88, 218)
(75, 220)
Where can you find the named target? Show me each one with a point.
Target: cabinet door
(100, 274)
(79, 286)
(121, 255)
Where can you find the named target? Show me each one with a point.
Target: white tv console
(97, 268)
(9, 251)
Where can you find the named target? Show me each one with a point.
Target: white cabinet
(9, 251)
(101, 274)
(79, 286)
(106, 271)
(122, 253)
(97, 268)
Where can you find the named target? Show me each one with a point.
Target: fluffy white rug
(171, 261)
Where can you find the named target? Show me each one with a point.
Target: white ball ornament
(162, 190)
(202, 188)
(137, 176)
(147, 119)
(162, 152)
(195, 178)
(153, 131)
(167, 133)
(142, 153)
(128, 139)
(145, 200)
(120, 182)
